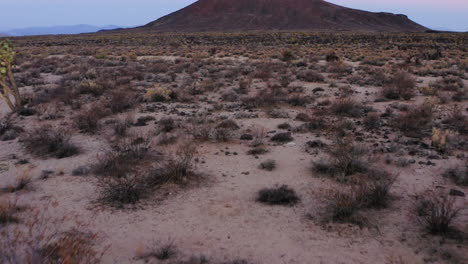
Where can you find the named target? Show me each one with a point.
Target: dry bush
(457, 120)
(8, 212)
(257, 151)
(278, 196)
(118, 191)
(459, 175)
(87, 121)
(8, 131)
(39, 240)
(339, 68)
(372, 121)
(46, 141)
(346, 107)
(401, 86)
(268, 165)
(449, 83)
(164, 252)
(22, 183)
(178, 168)
(345, 159)
(166, 125)
(413, 122)
(310, 76)
(121, 100)
(263, 98)
(123, 158)
(282, 137)
(436, 212)
(121, 126)
(344, 205)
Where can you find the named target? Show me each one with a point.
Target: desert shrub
(344, 205)
(257, 151)
(346, 107)
(284, 126)
(436, 212)
(268, 165)
(310, 76)
(345, 159)
(87, 121)
(46, 141)
(282, 137)
(22, 182)
(448, 83)
(341, 206)
(339, 68)
(40, 242)
(375, 193)
(299, 100)
(332, 57)
(401, 86)
(457, 120)
(91, 87)
(8, 212)
(121, 100)
(222, 134)
(120, 127)
(165, 252)
(228, 124)
(178, 168)
(122, 158)
(372, 121)
(143, 120)
(159, 94)
(413, 122)
(8, 131)
(278, 196)
(167, 124)
(119, 191)
(287, 56)
(459, 175)
(263, 98)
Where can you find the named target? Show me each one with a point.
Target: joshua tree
(8, 87)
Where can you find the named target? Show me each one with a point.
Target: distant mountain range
(56, 30)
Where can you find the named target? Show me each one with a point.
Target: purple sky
(446, 14)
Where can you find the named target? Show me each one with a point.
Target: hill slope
(241, 15)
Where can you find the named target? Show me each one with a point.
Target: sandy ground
(221, 219)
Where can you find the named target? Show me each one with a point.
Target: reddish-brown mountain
(314, 15)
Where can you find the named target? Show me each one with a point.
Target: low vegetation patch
(46, 141)
(278, 196)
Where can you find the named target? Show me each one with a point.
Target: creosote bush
(278, 196)
(401, 86)
(346, 107)
(345, 159)
(268, 165)
(413, 122)
(437, 212)
(46, 141)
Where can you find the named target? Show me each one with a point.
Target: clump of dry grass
(401, 86)
(345, 159)
(46, 141)
(437, 212)
(413, 122)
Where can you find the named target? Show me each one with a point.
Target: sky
(436, 14)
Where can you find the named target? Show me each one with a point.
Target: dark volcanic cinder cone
(257, 15)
